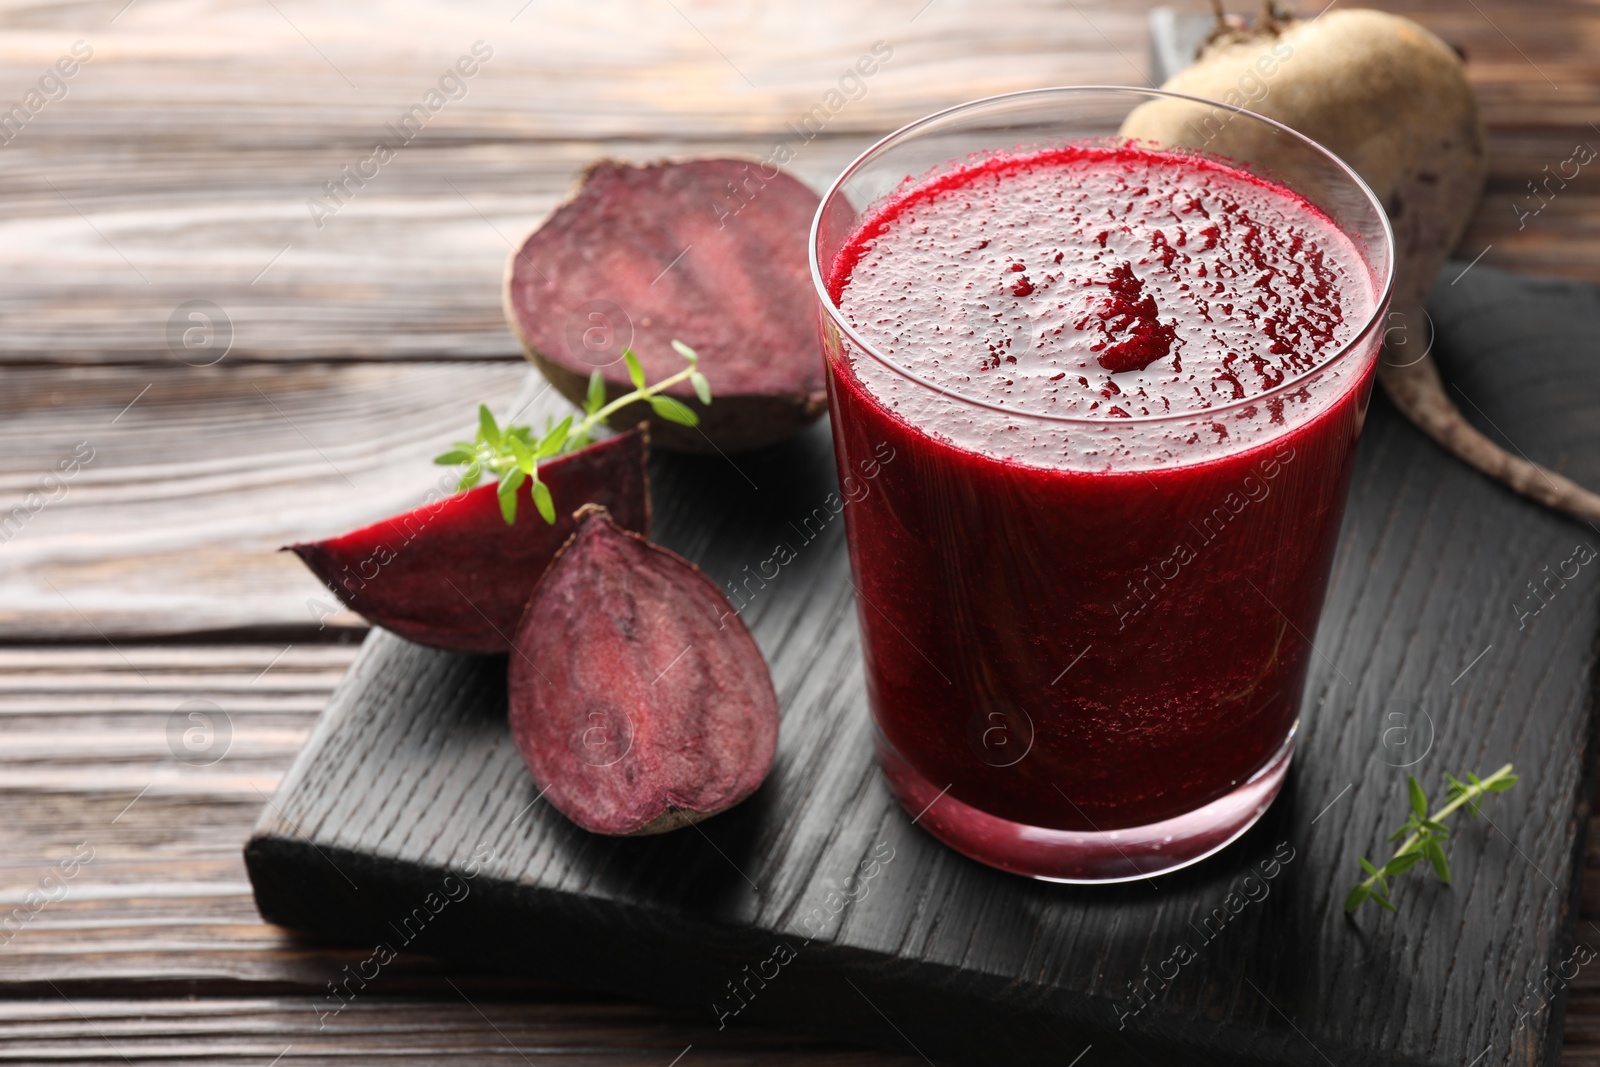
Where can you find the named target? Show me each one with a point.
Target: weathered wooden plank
(96, 766)
(469, 1028)
(135, 194)
(188, 480)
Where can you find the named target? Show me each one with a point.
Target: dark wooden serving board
(411, 775)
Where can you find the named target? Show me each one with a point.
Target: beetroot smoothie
(1088, 577)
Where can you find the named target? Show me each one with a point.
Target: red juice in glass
(1120, 387)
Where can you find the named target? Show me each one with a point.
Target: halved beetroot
(453, 574)
(638, 699)
(711, 252)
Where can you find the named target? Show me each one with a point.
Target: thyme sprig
(1424, 835)
(512, 453)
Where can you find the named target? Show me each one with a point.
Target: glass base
(1070, 856)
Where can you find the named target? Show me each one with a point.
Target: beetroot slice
(638, 699)
(453, 574)
(711, 252)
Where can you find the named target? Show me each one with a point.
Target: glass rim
(1379, 306)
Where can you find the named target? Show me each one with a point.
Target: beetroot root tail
(1418, 391)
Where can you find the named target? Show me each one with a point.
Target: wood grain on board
(184, 154)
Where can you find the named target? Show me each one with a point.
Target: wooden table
(144, 589)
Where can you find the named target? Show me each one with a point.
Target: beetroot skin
(453, 574)
(710, 252)
(638, 699)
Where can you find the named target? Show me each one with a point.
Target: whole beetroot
(638, 699)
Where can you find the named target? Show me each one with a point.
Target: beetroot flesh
(638, 699)
(453, 574)
(741, 295)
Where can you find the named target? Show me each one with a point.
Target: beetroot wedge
(711, 252)
(638, 699)
(453, 574)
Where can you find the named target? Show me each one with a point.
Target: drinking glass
(1089, 668)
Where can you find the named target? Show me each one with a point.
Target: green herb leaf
(1419, 799)
(488, 429)
(635, 371)
(685, 351)
(542, 501)
(702, 388)
(508, 494)
(1401, 863)
(1358, 896)
(1441, 866)
(453, 457)
(520, 453)
(673, 411)
(1502, 784)
(597, 393)
(553, 441)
